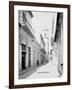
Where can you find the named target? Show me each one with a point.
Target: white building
(42, 50)
(29, 49)
(36, 53)
(46, 40)
(49, 32)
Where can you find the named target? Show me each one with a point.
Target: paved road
(47, 71)
(29, 71)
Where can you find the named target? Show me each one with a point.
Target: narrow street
(47, 71)
(40, 44)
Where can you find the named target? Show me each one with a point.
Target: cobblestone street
(47, 71)
(26, 73)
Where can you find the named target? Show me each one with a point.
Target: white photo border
(63, 78)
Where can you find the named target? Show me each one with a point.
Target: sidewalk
(25, 73)
(27, 69)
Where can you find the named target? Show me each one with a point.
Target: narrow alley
(40, 44)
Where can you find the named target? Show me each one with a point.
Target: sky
(41, 21)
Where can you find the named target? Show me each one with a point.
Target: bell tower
(46, 40)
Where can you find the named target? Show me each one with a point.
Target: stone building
(49, 33)
(46, 40)
(29, 49)
(36, 53)
(42, 50)
(58, 42)
(53, 52)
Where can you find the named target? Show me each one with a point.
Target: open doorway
(23, 56)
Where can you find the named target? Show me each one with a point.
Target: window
(23, 47)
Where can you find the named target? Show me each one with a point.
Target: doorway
(23, 56)
(23, 60)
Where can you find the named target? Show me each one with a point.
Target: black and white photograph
(39, 44)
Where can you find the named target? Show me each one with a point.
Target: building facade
(26, 37)
(42, 50)
(46, 40)
(58, 42)
(36, 53)
(29, 48)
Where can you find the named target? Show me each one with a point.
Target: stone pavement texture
(47, 71)
(25, 73)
